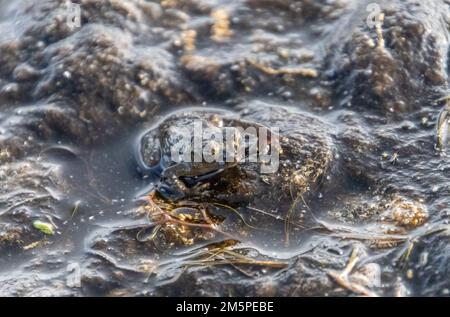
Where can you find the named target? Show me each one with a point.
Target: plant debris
(44, 227)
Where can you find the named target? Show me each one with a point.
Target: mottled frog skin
(178, 179)
(306, 148)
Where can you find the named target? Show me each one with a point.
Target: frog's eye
(150, 150)
(152, 154)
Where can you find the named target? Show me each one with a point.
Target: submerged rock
(397, 68)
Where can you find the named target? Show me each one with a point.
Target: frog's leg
(171, 186)
(174, 188)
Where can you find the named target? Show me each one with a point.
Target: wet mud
(359, 205)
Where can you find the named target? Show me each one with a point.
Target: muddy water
(74, 102)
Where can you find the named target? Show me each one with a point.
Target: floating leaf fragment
(44, 227)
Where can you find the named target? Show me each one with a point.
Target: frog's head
(185, 150)
(148, 152)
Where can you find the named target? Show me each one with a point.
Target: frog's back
(307, 142)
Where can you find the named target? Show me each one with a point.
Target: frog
(181, 175)
(316, 159)
(305, 144)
